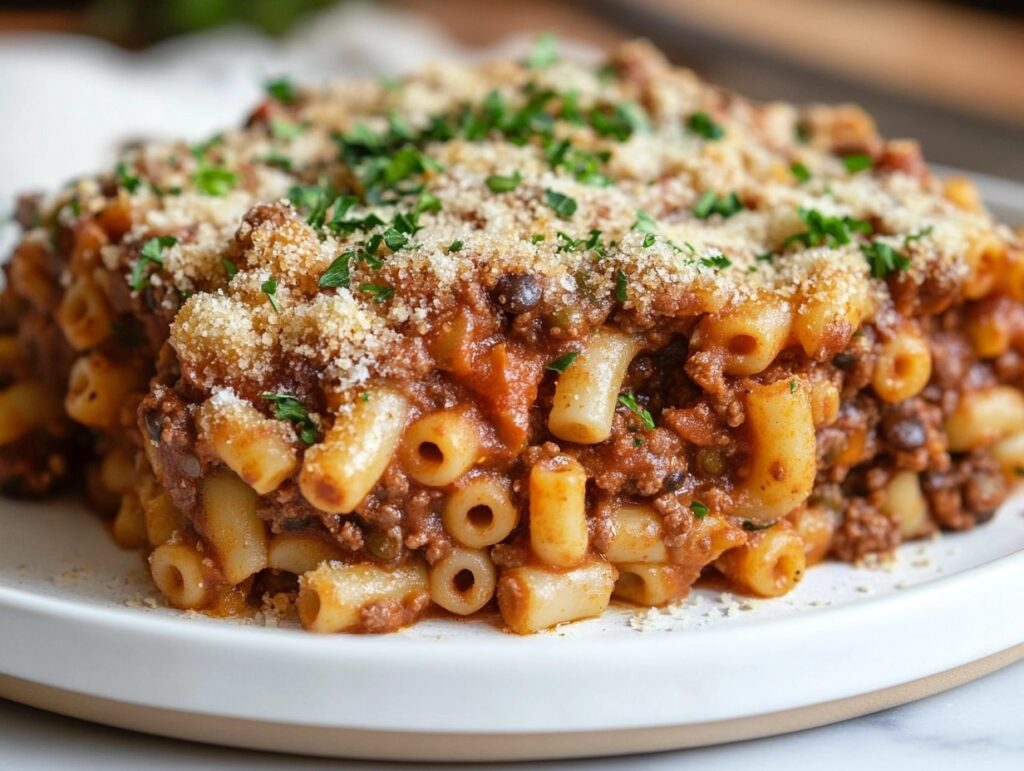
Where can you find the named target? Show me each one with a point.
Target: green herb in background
(137, 23)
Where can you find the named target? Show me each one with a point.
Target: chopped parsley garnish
(318, 213)
(699, 509)
(717, 261)
(644, 222)
(544, 52)
(125, 179)
(857, 162)
(291, 409)
(337, 273)
(394, 239)
(700, 123)
(584, 165)
(563, 362)
(229, 267)
(280, 90)
(456, 246)
(607, 73)
(649, 240)
(621, 286)
(712, 203)
(379, 292)
(285, 129)
(428, 202)
(883, 259)
(826, 229)
(306, 197)
(399, 126)
(278, 159)
(498, 183)
(592, 242)
(619, 121)
(766, 257)
(200, 149)
(563, 205)
(793, 386)
(628, 401)
(801, 172)
(269, 288)
(918, 235)
(150, 255)
(753, 527)
(536, 238)
(214, 180)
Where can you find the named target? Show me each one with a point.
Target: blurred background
(949, 73)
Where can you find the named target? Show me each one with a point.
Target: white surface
(61, 89)
(978, 726)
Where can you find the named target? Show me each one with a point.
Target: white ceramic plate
(83, 633)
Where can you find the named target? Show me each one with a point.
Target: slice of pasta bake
(531, 334)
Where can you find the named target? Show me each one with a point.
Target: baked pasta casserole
(529, 334)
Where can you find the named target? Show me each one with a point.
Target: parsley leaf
(214, 180)
(536, 238)
(793, 386)
(200, 149)
(151, 254)
(857, 162)
(289, 408)
(337, 273)
(628, 401)
(717, 261)
(544, 52)
(918, 235)
(700, 123)
(584, 165)
(753, 527)
(644, 222)
(563, 205)
(280, 90)
(621, 286)
(503, 184)
(285, 129)
(563, 362)
(699, 509)
(831, 230)
(801, 172)
(269, 288)
(712, 203)
(229, 267)
(619, 121)
(649, 240)
(428, 202)
(379, 292)
(456, 246)
(883, 259)
(126, 179)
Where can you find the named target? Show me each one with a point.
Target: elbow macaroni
(587, 392)
(342, 470)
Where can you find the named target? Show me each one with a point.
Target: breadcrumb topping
(634, 181)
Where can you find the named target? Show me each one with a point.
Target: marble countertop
(977, 726)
